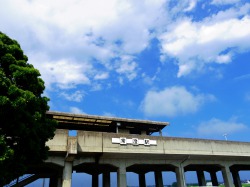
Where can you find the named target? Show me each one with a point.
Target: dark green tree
(24, 128)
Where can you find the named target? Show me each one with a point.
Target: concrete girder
(145, 168)
(240, 167)
(203, 167)
(93, 168)
(57, 160)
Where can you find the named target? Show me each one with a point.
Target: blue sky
(185, 62)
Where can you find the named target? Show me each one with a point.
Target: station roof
(103, 124)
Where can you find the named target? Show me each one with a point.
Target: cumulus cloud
(219, 127)
(173, 101)
(101, 76)
(76, 34)
(108, 114)
(223, 59)
(127, 67)
(65, 28)
(213, 40)
(76, 110)
(76, 96)
(65, 73)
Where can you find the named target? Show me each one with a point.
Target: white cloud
(224, 2)
(76, 96)
(191, 6)
(101, 76)
(82, 30)
(147, 80)
(65, 73)
(91, 32)
(223, 59)
(173, 101)
(76, 110)
(96, 87)
(150, 80)
(126, 66)
(180, 7)
(212, 40)
(108, 114)
(242, 77)
(220, 127)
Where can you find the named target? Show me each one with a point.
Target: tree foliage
(24, 128)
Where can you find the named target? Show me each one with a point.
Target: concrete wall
(92, 151)
(89, 141)
(59, 142)
(102, 142)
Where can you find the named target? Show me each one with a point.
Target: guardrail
(20, 179)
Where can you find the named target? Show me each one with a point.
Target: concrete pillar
(142, 180)
(180, 176)
(158, 179)
(106, 179)
(67, 174)
(201, 178)
(227, 176)
(95, 180)
(236, 178)
(214, 178)
(121, 176)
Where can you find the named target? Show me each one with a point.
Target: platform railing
(18, 180)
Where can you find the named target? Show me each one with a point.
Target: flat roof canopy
(103, 124)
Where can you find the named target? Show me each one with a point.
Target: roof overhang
(102, 123)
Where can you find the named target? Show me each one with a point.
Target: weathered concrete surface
(102, 142)
(89, 141)
(72, 145)
(59, 142)
(94, 153)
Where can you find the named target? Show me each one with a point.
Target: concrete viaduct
(105, 144)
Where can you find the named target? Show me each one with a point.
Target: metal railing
(18, 180)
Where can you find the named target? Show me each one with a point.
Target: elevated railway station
(102, 145)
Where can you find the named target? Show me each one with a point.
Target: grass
(243, 185)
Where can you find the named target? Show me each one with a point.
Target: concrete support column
(106, 179)
(142, 180)
(227, 176)
(180, 176)
(121, 176)
(158, 179)
(95, 180)
(67, 174)
(236, 178)
(201, 178)
(214, 178)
